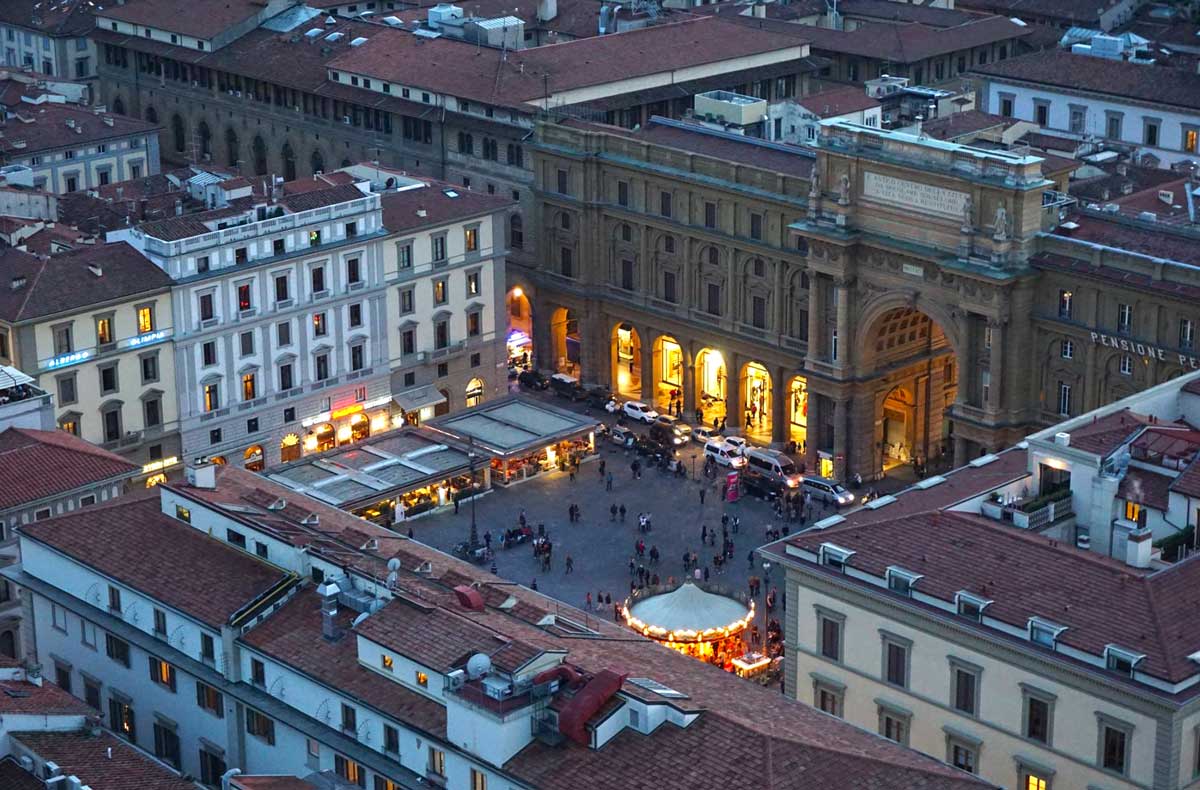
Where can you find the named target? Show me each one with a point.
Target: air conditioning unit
(456, 679)
(1062, 438)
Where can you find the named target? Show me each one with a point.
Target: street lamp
(474, 539)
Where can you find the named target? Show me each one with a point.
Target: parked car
(532, 379)
(669, 431)
(724, 454)
(566, 386)
(635, 409)
(765, 486)
(772, 463)
(703, 434)
(622, 436)
(825, 490)
(737, 441)
(597, 396)
(646, 446)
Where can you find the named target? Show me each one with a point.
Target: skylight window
(1120, 660)
(835, 557)
(970, 606)
(901, 581)
(1044, 632)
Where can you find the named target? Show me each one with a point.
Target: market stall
(695, 621)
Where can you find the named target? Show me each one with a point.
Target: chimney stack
(329, 609)
(1137, 548)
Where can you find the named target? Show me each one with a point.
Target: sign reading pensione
(910, 194)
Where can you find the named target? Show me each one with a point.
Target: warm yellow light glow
(551, 454)
(1055, 463)
(310, 442)
(687, 635)
(518, 292)
(343, 433)
(379, 422)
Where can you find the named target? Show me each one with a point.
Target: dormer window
(901, 581)
(1044, 633)
(970, 606)
(835, 557)
(1120, 660)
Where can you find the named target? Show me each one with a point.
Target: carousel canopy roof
(689, 608)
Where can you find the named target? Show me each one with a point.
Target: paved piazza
(601, 549)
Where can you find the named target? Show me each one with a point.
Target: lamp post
(474, 539)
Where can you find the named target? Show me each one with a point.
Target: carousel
(705, 625)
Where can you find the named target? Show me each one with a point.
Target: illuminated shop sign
(1146, 350)
(67, 360)
(150, 338)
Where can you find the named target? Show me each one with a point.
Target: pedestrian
(494, 572)
(572, 474)
(632, 566)
(737, 524)
(607, 598)
(587, 602)
(410, 533)
(571, 569)
(608, 482)
(701, 495)
(533, 584)
(750, 559)
(706, 573)
(616, 612)
(487, 539)
(602, 465)
(654, 580)
(704, 533)
(612, 512)
(696, 574)
(456, 506)
(687, 559)
(571, 514)
(622, 512)
(521, 518)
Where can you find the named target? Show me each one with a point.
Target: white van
(826, 490)
(773, 464)
(724, 454)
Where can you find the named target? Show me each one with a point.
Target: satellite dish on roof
(360, 618)
(478, 665)
(393, 564)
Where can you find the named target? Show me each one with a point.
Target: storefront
(420, 404)
(391, 478)
(696, 622)
(340, 426)
(520, 348)
(797, 412)
(521, 438)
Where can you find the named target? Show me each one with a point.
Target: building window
(391, 739)
(317, 277)
(756, 226)
(478, 780)
(209, 699)
(438, 245)
(1067, 349)
(404, 255)
(1112, 125)
(710, 215)
(562, 182)
(566, 267)
(1124, 318)
(1187, 334)
(320, 326)
(964, 687)
(212, 397)
(1064, 399)
(758, 312)
(422, 679)
(713, 302)
(162, 673)
(207, 648)
(669, 294)
(206, 307)
(1114, 744)
(437, 762)
(349, 719)
(121, 719)
(1038, 714)
(1044, 634)
(260, 726)
(117, 649)
(66, 389)
(357, 357)
(322, 367)
(149, 363)
(664, 204)
(829, 634)
(895, 659)
(1006, 105)
(160, 622)
(1150, 132)
(212, 768)
(63, 341)
(114, 599)
(894, 723)
(473, 284)
(1066, 301)
(440, 291)
(623, 194)
(471, 239)
(58, 617)
(963, 753)
(1041, 112)
(1126, 365)
(183, 514)
(828, 696)
(249, 388)
(406, 301)
(474, 323)
(104, 335)
(349, 770)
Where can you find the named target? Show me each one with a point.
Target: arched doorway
(444, 406)
(289, 448)
(253, 459)
(259, 148)
(118, 106)
(474, 392)
(289, 162)
(178, 134)
(324, 437)
(317, 162)
(360, 427)
(757, 402)
(8, 644)
(668, 375)
(205, 135)
(627, 361)
(564, 341)
(520, 328)
(711, 383)
(233, 150)
(911, 367)
(797, 412)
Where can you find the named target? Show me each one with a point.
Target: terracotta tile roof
(790, 744)
(86, 756)
(959, 124)
(1112, 184)
(400, 208)
(1188, 482)
(293, 635)
(65, 282)
(1105, 434)
(14, 777)
(1146, 488)
(199, 18)
(22, 697)
(524, 76)
(54, 17)
(889, 11)
(1062, 69)
(832, 102)
(43, 464)
(49, 130)
(1101, 601)
(264, 782)
(1117, 236)
(1078, 12)
(133, 542)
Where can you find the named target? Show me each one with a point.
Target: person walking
(612, 512)
(533, 584)
(587, 601)
(603, 463)
(622, 512)
(570, 564)
(571, 472)
(608, 480)
(701, 496)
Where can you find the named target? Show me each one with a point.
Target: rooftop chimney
(202, 476)
(329, 609)
(1137, 548)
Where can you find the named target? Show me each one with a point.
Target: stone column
(649, 376)
(813, 439)
(960, 451)
(688, 381)
(841, 437)
(779, 405)
(817, 348)
(733, 389)
(996, 366)
(543, 338)
(843, 324)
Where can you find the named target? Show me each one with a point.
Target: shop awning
(11, 377)
(419, 398)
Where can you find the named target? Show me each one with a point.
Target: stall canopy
(689, 609)
(419, 398)
(11, 377)
(513, 426)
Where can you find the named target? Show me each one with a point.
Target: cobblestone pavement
(601, 548)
